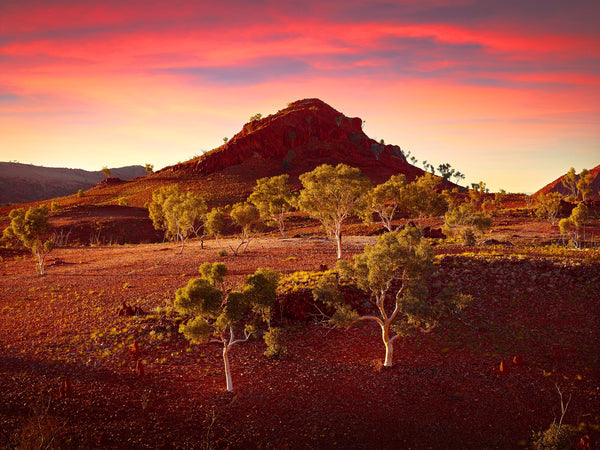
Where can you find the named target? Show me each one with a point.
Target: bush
(222, 252)
(274, 340)
(556, 437)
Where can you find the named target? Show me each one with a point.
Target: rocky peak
(300, 137)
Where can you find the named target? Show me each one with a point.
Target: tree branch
(361, 318)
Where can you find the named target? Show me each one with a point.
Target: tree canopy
(332, 194)
(32, 228)
(395, 276)
(177, 212)
(218, 315)
(273, 199)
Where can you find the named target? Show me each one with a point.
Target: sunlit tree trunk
(228, 380)
(389, 344)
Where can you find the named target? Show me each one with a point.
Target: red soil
(330, 390)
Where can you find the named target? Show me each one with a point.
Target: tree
(331, 195)
(573, 225)
(387, 200)
(584, 184)
(178, 213)
(106, 171)
(477, 193)
(395, 275)
(569, 181)
(424, 200)
(548, 206)
(149, 168)
(215, 223)
(216, 314)
(32, 228)
(417, 200)
(466, 221)
(273, 199)
(246, 216)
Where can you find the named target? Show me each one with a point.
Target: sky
(507, 92)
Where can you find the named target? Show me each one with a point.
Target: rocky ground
(70, 365)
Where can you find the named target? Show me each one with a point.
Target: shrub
(274, 340)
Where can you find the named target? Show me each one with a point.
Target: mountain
(21, 183)
(297, 139)
(557, 186)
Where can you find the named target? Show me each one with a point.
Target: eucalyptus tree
(332, 194)
(395, 275)
(219, 315)
(273, 199)
(179, 213)
(32, 228)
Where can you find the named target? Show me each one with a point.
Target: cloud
(253, 72)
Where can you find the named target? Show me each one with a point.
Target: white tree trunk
(40, 257)
(227, 368)
(338, 240)
(389, 345)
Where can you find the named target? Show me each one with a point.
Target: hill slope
(21, 183)
(557, 186)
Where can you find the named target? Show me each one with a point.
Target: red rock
(297, 139)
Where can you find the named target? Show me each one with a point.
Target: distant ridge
(22, 183)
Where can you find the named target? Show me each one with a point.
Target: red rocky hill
(295, 140)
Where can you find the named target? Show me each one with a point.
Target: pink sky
(507, 92)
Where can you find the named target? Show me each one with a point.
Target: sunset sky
(507, 92)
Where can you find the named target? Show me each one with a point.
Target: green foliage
(300, 280)
(196, 330)
(80, 193)
(416, 200)
(548, 206)
(584, 183)
(569, 181)
(446, 172)
(247, 217)
(213, 272)
(477, 193)
(33, 230)
(177, 212)
(467, 222)
(149, 168)
(556, 437)
(387, 200)
(332, 194)
(257, 116)
(215, 222)
(200, 296)
(394, 274)
(273, 199)
(216, 313)
(106, 171)
(54, 206)
(275, 343)
(573, 225)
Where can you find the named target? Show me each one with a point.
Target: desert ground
(70, 364)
